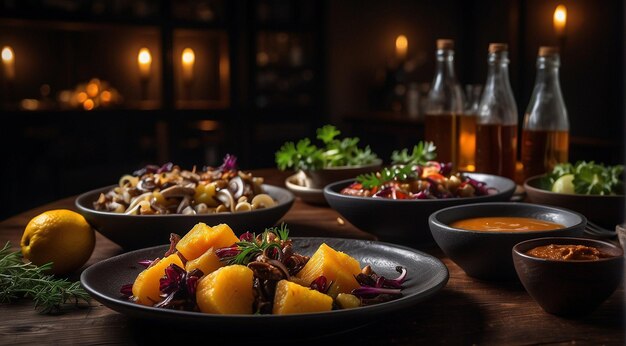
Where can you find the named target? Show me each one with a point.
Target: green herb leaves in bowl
(337, 159)
(585, 178)
(335, 152)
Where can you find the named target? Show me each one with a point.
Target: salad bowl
(604, 210)
(406, 221)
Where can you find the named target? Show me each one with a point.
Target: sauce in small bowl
(505, 224)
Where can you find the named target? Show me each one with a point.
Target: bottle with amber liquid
(444, 105)
(545, 133)
(496, 125)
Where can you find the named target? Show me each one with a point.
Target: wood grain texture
(466, 311)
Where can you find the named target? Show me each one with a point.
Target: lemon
(564, 184)
(62, 237)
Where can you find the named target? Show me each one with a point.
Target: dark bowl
(487, 255)
(322, 177)
(606, 211)
(139, 231)
(569, 288)
(405, 221)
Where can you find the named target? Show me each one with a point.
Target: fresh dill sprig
(247, 250)
(26, 280)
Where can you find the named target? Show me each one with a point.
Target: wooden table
(466, 311)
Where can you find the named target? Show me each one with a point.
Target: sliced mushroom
(222, 209)
(191, 176)
(226, 198)
(138, 199)
(188, 211)
(184, 203)
(178, 191)
(201, 209)
(243, 206)
(262, 201)
(236, 186)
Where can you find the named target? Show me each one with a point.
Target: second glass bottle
(496, 125)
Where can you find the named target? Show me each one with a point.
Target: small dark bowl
(139, 231)
(569, 288)
(487, 255)
(322, 177)
(405, 221)
(606, 211)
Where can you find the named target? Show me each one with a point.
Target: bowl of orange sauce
(479, 237)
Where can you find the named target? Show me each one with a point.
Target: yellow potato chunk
(202, 237)
(227, 290)
(208, 262)
(146, 285)
(336, 266)
(292, 298)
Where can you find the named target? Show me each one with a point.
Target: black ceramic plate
(426, 274)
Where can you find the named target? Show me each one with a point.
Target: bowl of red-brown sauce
(569, 276)
(479, 237)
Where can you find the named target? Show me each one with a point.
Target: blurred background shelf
(265, 72)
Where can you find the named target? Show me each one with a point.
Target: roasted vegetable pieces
(257, 273)
(417, 176)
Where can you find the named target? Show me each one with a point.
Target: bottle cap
(445, 44)
(498, 47)
(548, 50)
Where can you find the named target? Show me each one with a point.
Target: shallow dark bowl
(322, 177)
(569, 288)
(487, 255)
(405, 221)
(606, 211)
(138, 231)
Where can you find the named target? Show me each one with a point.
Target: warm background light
(560, 20)
(188, 60)
(144, 59)
(8, 62)
(402, 46)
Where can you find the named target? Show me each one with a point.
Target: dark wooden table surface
(466, 311)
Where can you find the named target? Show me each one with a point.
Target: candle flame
(7, 54)
(144, 56)
(402, 42)
(560, 19)
(188, 56)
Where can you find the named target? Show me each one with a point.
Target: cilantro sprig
(590, 178)
(403, 165)
(335, 152)
(422, 153)
(371, 180)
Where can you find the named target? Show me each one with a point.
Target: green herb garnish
(590, 178)
(386, 175)
(422, 153)
(335, 153)
(246, 251)
(403, 165)
(26, 280)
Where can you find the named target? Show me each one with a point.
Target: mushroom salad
(169, 189)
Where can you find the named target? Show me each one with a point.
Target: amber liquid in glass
(441, 129)
(466, 142)
(496, 149)
(542, 150)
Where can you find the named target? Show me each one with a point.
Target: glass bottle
(545, 135)
(445, 104)
(496, 125)
(467, 129)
